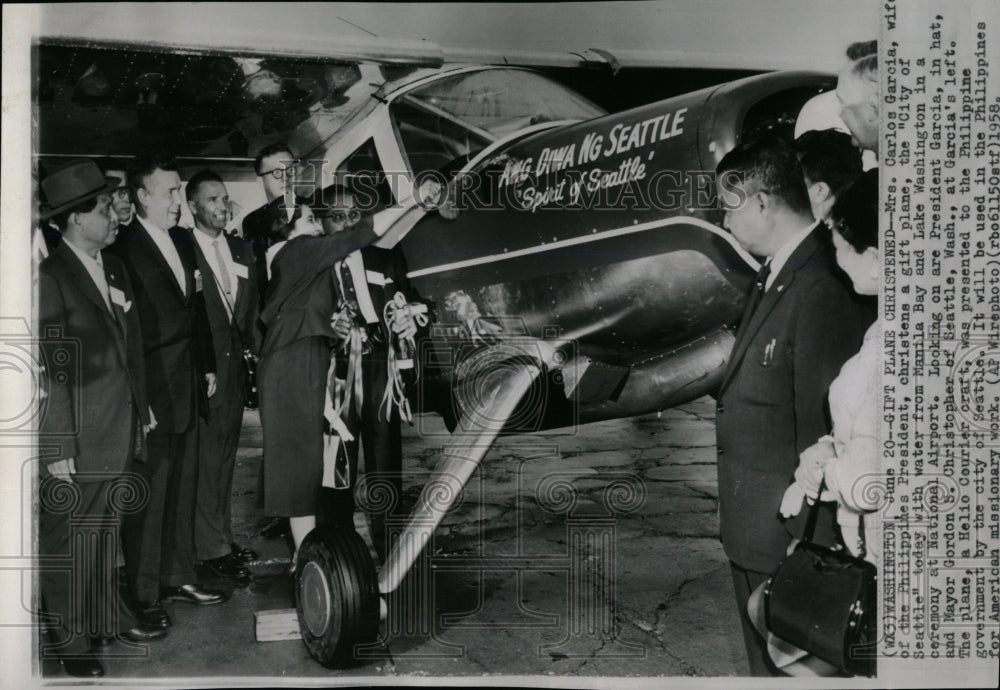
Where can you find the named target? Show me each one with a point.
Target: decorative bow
(344, 396)
(396, 310)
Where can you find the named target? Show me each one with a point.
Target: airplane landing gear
(337, 595)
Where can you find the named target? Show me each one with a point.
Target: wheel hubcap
(315, 593)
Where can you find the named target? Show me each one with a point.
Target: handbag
(823, 600)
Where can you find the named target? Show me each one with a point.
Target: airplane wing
(573, 34)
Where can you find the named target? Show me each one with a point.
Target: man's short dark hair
(282, 229)
(768, 163)
(329, 196)
(143, 166)
(62, 219)
(827, 155)
(270, 150)
(855, 212)
(198, 179)
(860, 49)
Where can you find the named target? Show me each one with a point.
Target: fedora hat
(74, 183)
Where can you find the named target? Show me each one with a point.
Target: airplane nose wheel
(337, 595)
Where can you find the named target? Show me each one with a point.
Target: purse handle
(807, 533)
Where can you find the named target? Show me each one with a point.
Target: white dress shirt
(207, 245)
(781, 256)
(95, 269)
(166, 246)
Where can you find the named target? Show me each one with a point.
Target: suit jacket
(302, 292)
(772, 402)
(95, 393)
(230, 337)
(258, 225)
(258, 230)
(176, 335)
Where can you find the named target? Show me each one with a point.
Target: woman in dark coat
(298, 307)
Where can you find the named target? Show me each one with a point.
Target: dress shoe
(140, 633)
(151, 615)
(87, 666)
(243, 554)
(227, 566)
(193, 594)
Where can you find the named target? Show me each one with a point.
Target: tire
(337, 597)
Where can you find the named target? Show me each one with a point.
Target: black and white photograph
(544, 344)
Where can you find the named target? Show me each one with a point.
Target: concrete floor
(663, 607)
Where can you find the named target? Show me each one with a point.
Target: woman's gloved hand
(808, 476)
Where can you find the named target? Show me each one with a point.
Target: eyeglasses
(354, 215)
(120, 193)
(281, 173)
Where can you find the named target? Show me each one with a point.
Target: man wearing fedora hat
(158, 542)
(93, 420)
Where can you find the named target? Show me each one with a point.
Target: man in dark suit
(94, 416)
(230, 288)
(180, 376)
(275, 168)
(801, 323)
(369, 279)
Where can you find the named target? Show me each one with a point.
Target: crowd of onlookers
(796, 412)
(169, 321)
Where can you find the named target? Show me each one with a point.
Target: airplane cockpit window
(456, 117)
(365, 176)
(777, 113)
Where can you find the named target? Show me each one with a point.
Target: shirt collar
(150, 228)
(205, 241)
(781, 256)
(88, 261)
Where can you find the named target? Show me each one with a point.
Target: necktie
(224, 279)
(345, 278)
(755, 296)
(759, 286)
(108, 277)
(104, 289)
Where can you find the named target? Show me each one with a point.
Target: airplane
(577, 258)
